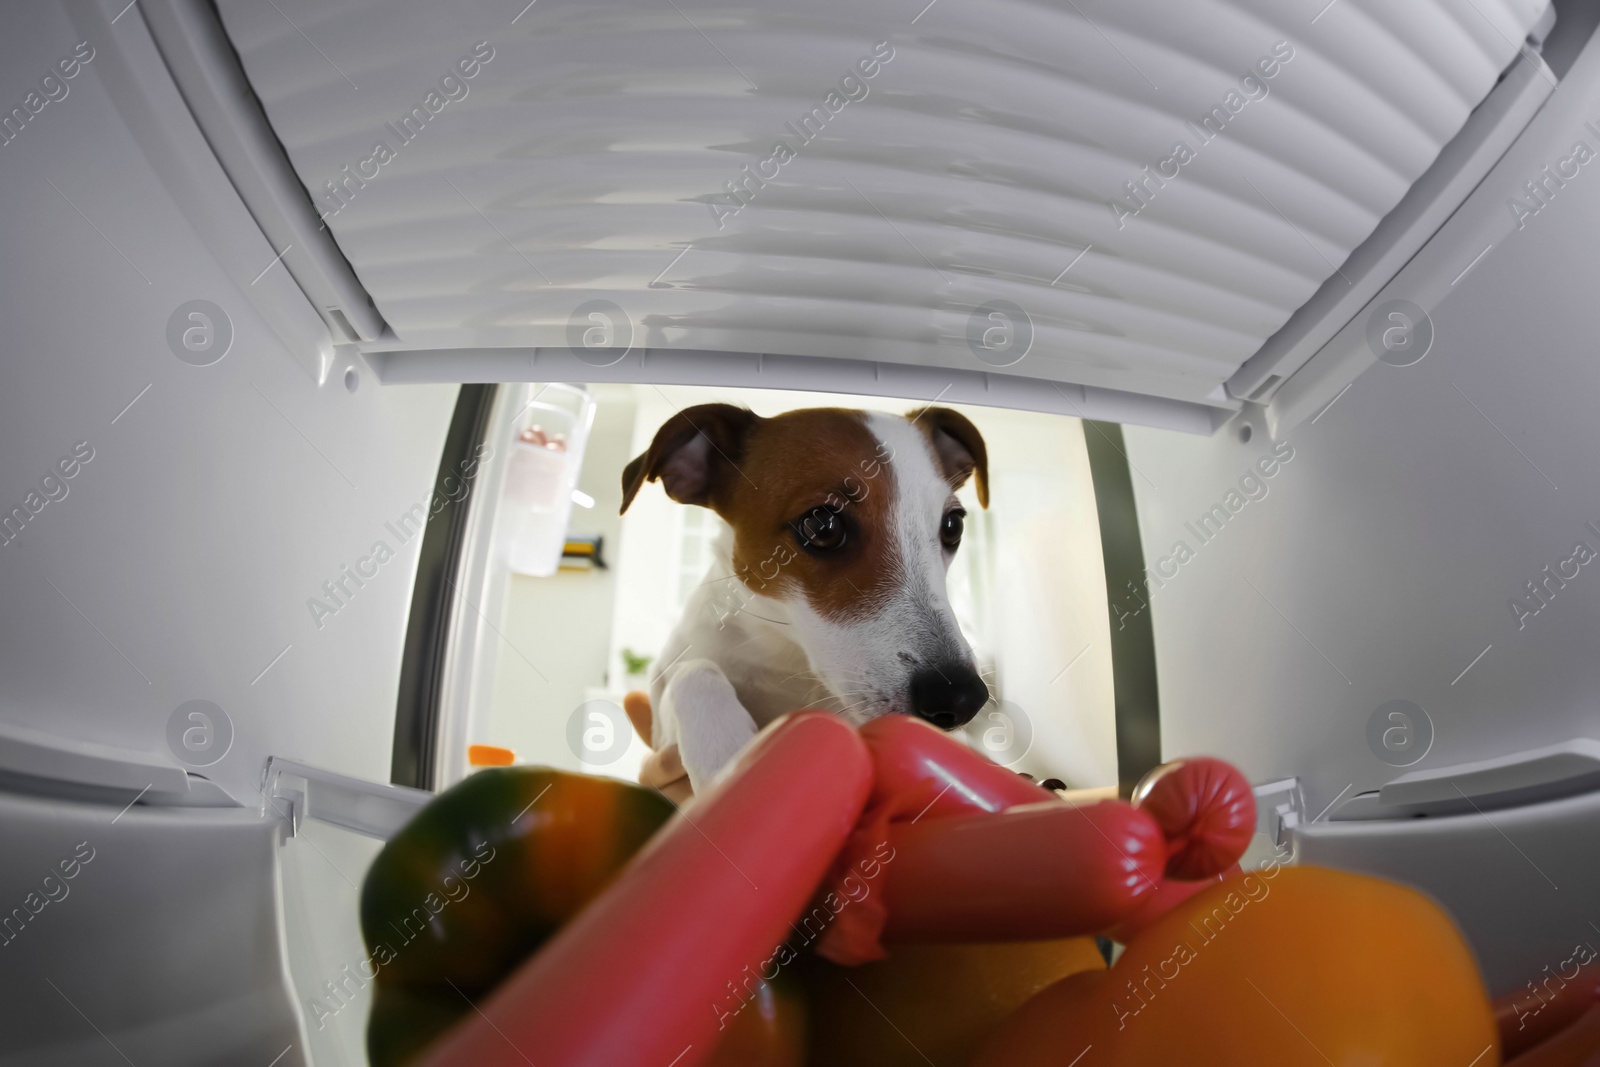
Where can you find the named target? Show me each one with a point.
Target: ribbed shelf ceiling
(591, 156)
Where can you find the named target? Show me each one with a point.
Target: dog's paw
(711, 725)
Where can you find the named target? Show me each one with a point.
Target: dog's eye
(820, 529)
(951, 528)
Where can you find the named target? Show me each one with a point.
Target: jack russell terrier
(827, 590)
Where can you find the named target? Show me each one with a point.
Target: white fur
(737, 659)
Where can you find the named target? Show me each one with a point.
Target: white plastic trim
(206, 72)
(1435, 196)
(296, 791)
(1542, 768)
(37, 754)
(820, 374)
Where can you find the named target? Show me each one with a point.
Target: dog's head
(850, 519)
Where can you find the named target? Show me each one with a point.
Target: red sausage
(1168, 895)
(651, 970)
(919, 774)
(1543, 1008)
(918, 769)
(1574, 1046)
(1207, 810)
(1029, 873)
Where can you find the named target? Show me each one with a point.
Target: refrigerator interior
(260, 371)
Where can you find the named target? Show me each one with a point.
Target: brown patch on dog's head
(781, 482)
(958, 446)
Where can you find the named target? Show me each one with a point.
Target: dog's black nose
(948, 695)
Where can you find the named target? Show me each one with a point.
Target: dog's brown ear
(959, 446)
(693, 453)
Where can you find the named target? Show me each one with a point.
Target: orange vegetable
(1283, 966)
(936, 1001)
(490, 756)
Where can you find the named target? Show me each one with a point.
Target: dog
(827, 588)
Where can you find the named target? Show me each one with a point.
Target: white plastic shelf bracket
(297, 791)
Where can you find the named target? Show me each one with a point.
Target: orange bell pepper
(1282, 966)
(926, 1003)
